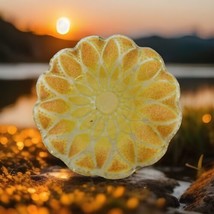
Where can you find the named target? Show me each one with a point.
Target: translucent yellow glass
(107, 107)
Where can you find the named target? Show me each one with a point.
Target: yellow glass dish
(107, 107)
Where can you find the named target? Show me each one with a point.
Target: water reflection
(202, 97)
(19, 113)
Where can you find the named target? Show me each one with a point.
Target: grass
(195, 137)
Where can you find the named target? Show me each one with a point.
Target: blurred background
(31, 32)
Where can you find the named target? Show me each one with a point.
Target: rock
(199, 196)
(146, 191)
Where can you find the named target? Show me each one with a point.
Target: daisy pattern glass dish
(107, 107)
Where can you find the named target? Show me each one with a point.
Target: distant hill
(186, 49)
(18, 46)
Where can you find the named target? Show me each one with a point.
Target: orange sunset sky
(105, 17)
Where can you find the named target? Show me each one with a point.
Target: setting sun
(63, 25)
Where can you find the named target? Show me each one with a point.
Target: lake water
(17, 88)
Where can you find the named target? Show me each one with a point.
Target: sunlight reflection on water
(20, 113)
(203, 97)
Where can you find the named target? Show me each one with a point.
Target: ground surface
(33, 181)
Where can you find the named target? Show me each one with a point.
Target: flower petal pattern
(107, 107)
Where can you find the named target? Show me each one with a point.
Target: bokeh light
(206, 118)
